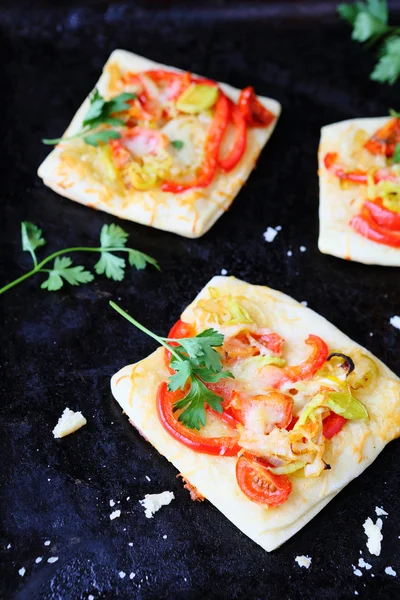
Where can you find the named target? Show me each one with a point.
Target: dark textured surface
(61, 349)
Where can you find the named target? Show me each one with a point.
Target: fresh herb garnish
(396, 155)
(178, 144)
(101, 112)
(112, 239)
(370, 25)
(194, 361)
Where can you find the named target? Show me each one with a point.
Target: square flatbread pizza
(304, 411)
(173, 158)
(359, 177)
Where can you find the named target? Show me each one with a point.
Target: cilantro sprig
(100, 112)
(112, 239)
(370, 22)
(195, 362)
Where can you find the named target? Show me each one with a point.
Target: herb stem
(155, 337)
(19, 280)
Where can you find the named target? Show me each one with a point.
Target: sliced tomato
(308, 368)
(255, 114)
(258, 483)
(239, 142)
(366, 226)
(179, 330)
(382, 215)
(272, 409)
(385, 140)
(332, 424)
(356, 175)
(218, 446)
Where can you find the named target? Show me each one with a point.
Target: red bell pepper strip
(385, 140)
(382, 215)
(357, 175)
(255, 114)
(332, 424)
(365, 225)
(310, 366)
(239, 143)
(211, 151)
(217, 446)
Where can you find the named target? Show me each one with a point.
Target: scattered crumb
(304, 302)
(303, 561)
(148, 478)
(52, 559)
(122, 574)
(380, 512)
(115, 514)
(270, 234)
(22, 571)
(38, 559)
(90, 597)
(128, 497)
(224, 272)
(112, 503)
(390, 571)
(69, 422)
(374, 535)
(289, 253)
(357, 572)
(9, 546)
(153, 502)
(164, 537)
(356, 593)
(130, 544)
(47, 543)
(278, 227)
(303, 248)
(371, 334)
(395, 321)
(132, 575)
(364, 565)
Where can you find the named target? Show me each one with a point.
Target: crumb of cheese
(374, 535)
(115, 514)
(69, 422)
(153, 502)
(270, 234)
(22, 571)
(380, 512)
(390, 571)
(303, 561)
(395, 321)
(363, 564)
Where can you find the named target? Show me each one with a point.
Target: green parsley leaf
(113, 236)
(177, 144)
(112, 266)
(104, 135)
(183, 370)
(367, 26)
(396, 155)
(95, 109)
(139, 260)
(31, 238)
(349, 12)
(394, 113)
(62, 270)
(194, 415)
(387, 69)
(200, 349)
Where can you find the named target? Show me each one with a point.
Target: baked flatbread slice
(83, 173)
(347, 446)
(342, 200)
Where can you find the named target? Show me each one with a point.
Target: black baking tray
(60, 349)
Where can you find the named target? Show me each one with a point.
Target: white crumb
(395, 321)
(356, 593)
(128, 497)
(130, 544)
(9, 546)
(303, 248)
(278, 227)
(90, 597)
(38, 559)
(132, 575)
(289, 253)
(115, 514)
(303, 561)
(122, 574)
(270, 234)
(374, 535)
(390, 571)
(357, 572)
(47, 543)
(224, 272)
(22, 571)
(371, 334)
(364, 565)
(153, 502)
(148, 478)
(380, 512)
(52, 559)
(164, 537)
(304, 302)
(112, 503)
(69, 422)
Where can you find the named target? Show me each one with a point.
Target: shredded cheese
(153, 502)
